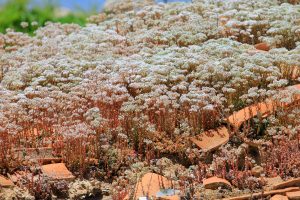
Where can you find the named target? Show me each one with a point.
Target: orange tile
(289, 183)
(262, 46)
(279, 197)
(150, 184)
(243, 115)
(5, 182)
(57, 171)
(293, 195)
(264, 108)
(264, 194)
(215, 182)
(212, 139)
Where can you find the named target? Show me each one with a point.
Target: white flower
(24, 24)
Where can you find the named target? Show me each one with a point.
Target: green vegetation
(14, 12)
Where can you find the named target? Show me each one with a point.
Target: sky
(84, 4)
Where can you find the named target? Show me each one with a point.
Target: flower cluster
(147, 77)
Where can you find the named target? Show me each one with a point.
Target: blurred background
(28, 15)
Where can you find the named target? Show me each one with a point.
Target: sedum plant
(137, 83)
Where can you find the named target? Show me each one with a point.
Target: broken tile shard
(295, 182)
(279, 197)
(293, 195)
(57, 171)
(5, 182)
(214, 183)
(151, 184)
(264, 194)
(262, 46)
(212, 139)
(243, 115)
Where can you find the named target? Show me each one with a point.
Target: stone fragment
(212, 139)
(215, 182)
(279, 197)
(57, 171)
(293, 195)
(257, 171)
(5, 182)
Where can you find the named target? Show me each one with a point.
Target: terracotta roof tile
(57, 171)
(279, 197)
(150, 184)
(289, 183)
(262, 46)
(212, 139)
(215, 182)
(293, 195)
(5, 182)
(264, 194)
(241, 116)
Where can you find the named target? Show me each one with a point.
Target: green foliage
(14, 12)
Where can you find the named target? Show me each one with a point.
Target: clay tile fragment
(262, 46)
(215, 182)
(57, 171)
(293, 195)
(264, 194)
(4, 182)
(295, 182)
(150, 184)
(212, 139)
(264, 108)
(243, 115)
(279, 197)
